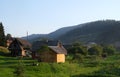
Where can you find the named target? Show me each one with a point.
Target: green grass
(90, 67)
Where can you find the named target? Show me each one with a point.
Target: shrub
(93, 75)
(111, 69)
(110, 50)
(78, 49)
(92, 61)
(43, 48)
(77, 58)
(95, 50)
(3, 50)
(19, 69)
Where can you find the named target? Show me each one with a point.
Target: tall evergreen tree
(2, 35)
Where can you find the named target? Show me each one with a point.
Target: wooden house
(37, 44)
(9, 40)
(19, 47)
(56, 52)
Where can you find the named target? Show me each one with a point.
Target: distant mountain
(34, 37)
(101, 32)
(52, 35)
(62, 31)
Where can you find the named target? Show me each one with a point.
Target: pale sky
(45, 16)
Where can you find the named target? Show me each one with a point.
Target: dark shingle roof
(23, 42)
(59, 50)
(36, 45)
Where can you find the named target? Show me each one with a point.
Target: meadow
(89, 67)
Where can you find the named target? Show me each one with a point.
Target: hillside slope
(52, 35)
(103, 32)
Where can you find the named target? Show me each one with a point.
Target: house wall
(8, 43)
(48, 56)
(16, 50)
(23, 53)
(60, 58)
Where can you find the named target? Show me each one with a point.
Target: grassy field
(90, 67)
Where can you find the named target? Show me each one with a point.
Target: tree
(9, 36)
(78, 49)
(19, 70)
(110, 50)
(2, 36)
(95, 50)
(43, 48)
(77, 43)
(78, 58)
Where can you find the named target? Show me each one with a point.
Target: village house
(56, 51)
(18, 47)
(9, 40)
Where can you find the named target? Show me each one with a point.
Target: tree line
(97, 50)
(2, 35)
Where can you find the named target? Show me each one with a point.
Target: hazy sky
(45, 16)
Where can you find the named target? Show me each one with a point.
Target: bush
(95, 50)
(3, 50)
(94, 63)
(43, 48)
(111, 69)
(110, 50)
(93, 75)
(77, 58)
(19, 69)
(78, 49)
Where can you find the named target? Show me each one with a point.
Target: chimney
(59, 44)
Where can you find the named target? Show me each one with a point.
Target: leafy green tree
(78, 58)
(2, 36)
(95, 50)
(110, 50)
(43, 48)
(84, 50)
(19, 70)
(78, 49)
(77, 44)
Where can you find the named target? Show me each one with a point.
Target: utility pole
(27, 35)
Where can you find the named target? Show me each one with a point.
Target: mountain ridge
(98, 31)
(101, 32)
(52, 35)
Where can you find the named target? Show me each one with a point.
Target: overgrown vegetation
(101, 32)
(110, 50)
(97, 61)
(95, 50)
(81, 66)
(43, 49)
(3, 51)
(19, 69)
